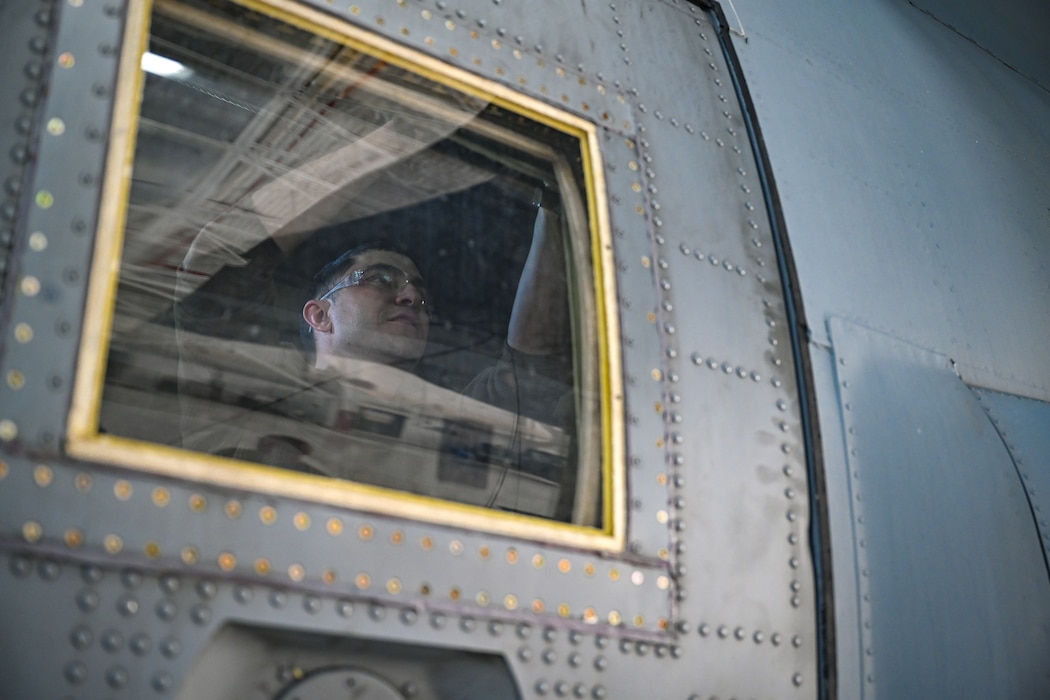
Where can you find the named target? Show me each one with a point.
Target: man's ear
(315, 313)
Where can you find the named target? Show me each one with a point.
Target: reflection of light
(164, 67)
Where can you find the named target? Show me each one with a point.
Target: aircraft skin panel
(912, 169)
(1015, 37)
(151, 585)
(850, 606)
(1021, 423)
(920, 451)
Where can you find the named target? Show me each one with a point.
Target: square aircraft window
(382, 278)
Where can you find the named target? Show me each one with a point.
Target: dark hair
(328, 276)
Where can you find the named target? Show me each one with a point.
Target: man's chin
(405, 351)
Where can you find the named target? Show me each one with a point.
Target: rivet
(75, 672)
(525, 654)
(598, 692)
(377, 612)
(170, 647)
(549, 656)
(131, 578)
(278, 599)
(113, 544)
(7, 430)
(243, 594)
(797, 679)
(542, 687)
(112, 641)
(207, 589)
(80, 637)
(162, 682)
(87, 600)
(30, 286)
(23, 333)
(312, 604)
(495, 628)
(117, 677)
(122, 489)
(467, 624)
(43, 475)
(775, 639)
(127, 606)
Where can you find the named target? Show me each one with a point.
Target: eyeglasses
(383, 277)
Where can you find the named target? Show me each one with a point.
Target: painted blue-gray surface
(1014, 31)
(108, 566)
(956, 590)
(1024, 426)
(912, 168)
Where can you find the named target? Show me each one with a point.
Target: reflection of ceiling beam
(423, 104)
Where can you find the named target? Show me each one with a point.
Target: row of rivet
(672, 480)
(76, 673)
(564, 689)
(860, 548)
(190, 555)
(728, 368)
(82, 637)
(21, 152)
(634, 155)
(671, 440)
(740, 634)
(496, 43)
(30, 286)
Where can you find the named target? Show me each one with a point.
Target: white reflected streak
(164, 67)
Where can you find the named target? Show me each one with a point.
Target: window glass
(339, 264)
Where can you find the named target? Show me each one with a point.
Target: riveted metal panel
(717, 580)
(729, 402)
(534, 52)
(952, 580)
(55, 233)
(1022, 425)
(25, 37)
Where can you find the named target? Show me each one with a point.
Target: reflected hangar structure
(810, 388)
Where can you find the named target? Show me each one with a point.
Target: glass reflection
(337, 266)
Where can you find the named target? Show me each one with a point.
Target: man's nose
(409, 295)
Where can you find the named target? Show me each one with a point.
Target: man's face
(373, 321)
